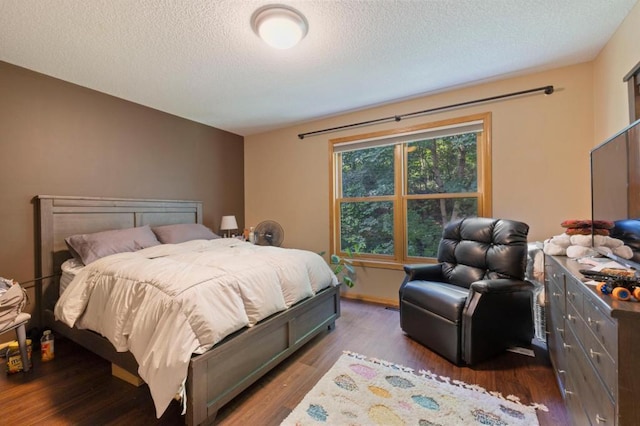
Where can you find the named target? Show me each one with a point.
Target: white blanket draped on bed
(164, 303)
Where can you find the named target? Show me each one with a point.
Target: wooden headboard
(59, 217)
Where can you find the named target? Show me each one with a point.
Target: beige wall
(540, 152)
(57, 138)
(617, 58)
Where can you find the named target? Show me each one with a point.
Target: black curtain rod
(547, 91)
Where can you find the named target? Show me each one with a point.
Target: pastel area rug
(365, 391)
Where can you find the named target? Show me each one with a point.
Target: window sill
(380, 264)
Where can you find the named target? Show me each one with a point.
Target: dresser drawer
(601, 361)
(555, 345)
(593, 395)
(555, 320)
(602, 326)
(574, 320)
(556, 292)
(574, 405)
(575, 294)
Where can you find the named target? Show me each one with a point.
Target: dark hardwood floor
(77, 387)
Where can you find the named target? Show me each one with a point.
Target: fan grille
(269, 233)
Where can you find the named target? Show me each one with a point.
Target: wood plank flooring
(77, 388)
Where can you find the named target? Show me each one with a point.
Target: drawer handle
(592, 322)
(562, 371)
(568, 392)
(600, 419)
(556, 294)
(571, 318)
(567, 347)
(593, 353)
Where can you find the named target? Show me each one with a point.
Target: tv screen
(615, 185)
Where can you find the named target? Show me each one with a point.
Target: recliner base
(435, 332)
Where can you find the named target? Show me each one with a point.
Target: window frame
(400, 198)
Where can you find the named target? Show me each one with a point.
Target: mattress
(70, 269)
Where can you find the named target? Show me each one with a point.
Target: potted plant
(343, 267)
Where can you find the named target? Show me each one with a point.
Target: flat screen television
(615, 186)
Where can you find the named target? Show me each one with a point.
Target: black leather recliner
(474, 303)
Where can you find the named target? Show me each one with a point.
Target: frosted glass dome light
(279, 26)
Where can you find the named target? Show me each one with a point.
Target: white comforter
(166, 302)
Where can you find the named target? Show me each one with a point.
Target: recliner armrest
(425, 272)
(501, 285)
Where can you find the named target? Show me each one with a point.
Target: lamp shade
(228, 223)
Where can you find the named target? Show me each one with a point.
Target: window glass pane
(443, 165)
(367, 172)
(367, 227)
(426, 220)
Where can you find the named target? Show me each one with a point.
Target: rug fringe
(444, 379)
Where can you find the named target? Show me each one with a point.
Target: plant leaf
(335, 259)
(348, 281)
(350, 268)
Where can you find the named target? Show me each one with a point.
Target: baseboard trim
(375, 300)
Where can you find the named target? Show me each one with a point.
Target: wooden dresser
(594, 345)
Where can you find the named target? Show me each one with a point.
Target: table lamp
(228, 223)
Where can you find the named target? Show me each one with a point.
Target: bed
(214, 377)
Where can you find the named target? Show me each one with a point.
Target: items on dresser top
(612, 278)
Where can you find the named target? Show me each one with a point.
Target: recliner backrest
(479, 248)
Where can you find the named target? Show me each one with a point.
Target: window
(394, 191)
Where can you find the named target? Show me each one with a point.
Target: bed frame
(215, 377)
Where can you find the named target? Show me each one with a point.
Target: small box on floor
(14, 358)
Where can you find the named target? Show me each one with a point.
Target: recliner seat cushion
(442, 299)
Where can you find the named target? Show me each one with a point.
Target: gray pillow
(179, 233)
(88, 248)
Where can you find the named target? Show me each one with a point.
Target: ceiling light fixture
(279, 26)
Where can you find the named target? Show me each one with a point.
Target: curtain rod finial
(300, 136)
(548, 90)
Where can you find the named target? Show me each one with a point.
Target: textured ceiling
(200, 59)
